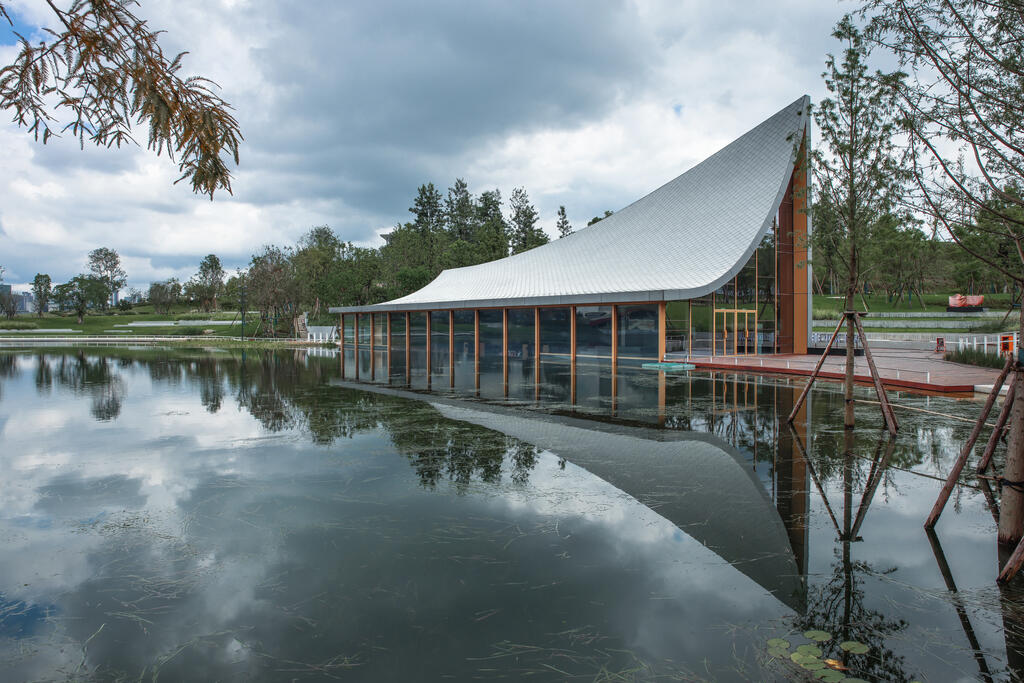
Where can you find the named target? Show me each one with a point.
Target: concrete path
(900, 369)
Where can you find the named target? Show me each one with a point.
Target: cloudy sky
(347, 107)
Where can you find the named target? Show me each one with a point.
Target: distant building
(24, 302)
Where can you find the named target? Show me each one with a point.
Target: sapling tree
(855, 168)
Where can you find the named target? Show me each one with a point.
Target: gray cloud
(347, 108)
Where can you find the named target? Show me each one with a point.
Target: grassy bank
(830, 307)
(975, 357)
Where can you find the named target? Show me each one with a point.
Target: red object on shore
(960, 301)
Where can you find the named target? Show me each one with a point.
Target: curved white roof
(681, 241)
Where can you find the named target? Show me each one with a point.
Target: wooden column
(408, 347)
(536, 354)
(662, 330)
(373, 343)
(387, 344)
(341, 342)
(355, 337)
(476, 349)
(451, 349)
(504, 349)
(572, 355)
(615, 358)
(428, 349)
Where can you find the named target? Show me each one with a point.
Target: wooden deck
(913, 370)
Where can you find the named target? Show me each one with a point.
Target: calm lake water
(189, 515)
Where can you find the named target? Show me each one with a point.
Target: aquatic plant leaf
(818, 636)
(778, 652)
(798, 658)
(854, 647)
(778, 643)
(811, 650)
(829, 676)
(812, 664)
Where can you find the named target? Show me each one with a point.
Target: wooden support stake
(1013, 564)
(890, 417)
(814, 478)
(451, 349)
(878, 467)
(814, 375)
(993, 440)
(958, 466)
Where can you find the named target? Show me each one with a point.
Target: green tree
(105, 264)
(206, 285)
(524, 231)
(854, 168)
(101, 72)
(562, 224)
(164, 295)
(272, 288)
(598, 219)
(959, 95)
(318, 265)
(81, 293)
(459, 212)
(41, 287)
(491, 232)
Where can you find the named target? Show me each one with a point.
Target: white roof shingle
(681, 241)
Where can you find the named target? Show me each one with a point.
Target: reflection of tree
(8, 367)
(838, 604)
(92, 376)
(44, 375)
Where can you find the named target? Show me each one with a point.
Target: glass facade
(498, 352)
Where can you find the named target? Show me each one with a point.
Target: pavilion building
(713, 263)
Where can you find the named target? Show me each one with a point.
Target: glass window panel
(555, 331)
(418, 349)
(380, 329)
(364, 329)
(397, 348)
(701, 325)
(349, 329)
(465, 378)
(492, 380)
(638, 331)
(594, 331)
(521, 352)
(439, 352)
(677, 319)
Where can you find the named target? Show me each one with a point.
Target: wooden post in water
(476, 349)
(958, 466)
(814, 375)
(1011, 515)
(504, 350)
(536, 354)
(572, 355)
(615, 358)
(993, 440)
(428, 351)
(890, 417)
